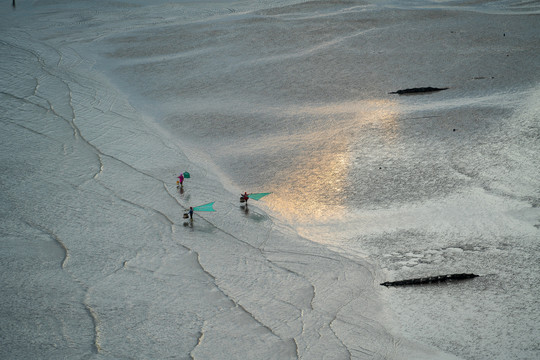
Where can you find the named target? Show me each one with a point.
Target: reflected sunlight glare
(316, 183)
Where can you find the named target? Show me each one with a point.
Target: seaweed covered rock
(430, 279)
(418, 90)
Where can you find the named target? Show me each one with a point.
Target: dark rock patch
(430, 279)
(419, 90)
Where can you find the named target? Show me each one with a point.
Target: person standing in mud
(181, 180)
(245, 197)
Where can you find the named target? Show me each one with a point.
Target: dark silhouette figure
(244, 197)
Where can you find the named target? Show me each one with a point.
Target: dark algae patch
(430, 280)
(418, 90)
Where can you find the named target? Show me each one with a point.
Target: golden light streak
(314, 185)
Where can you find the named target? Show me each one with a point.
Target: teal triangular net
(257, 196)
(205, 207)
(186, 175)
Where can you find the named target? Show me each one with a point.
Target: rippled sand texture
(103, 105)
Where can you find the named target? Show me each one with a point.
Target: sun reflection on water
(316, 182)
